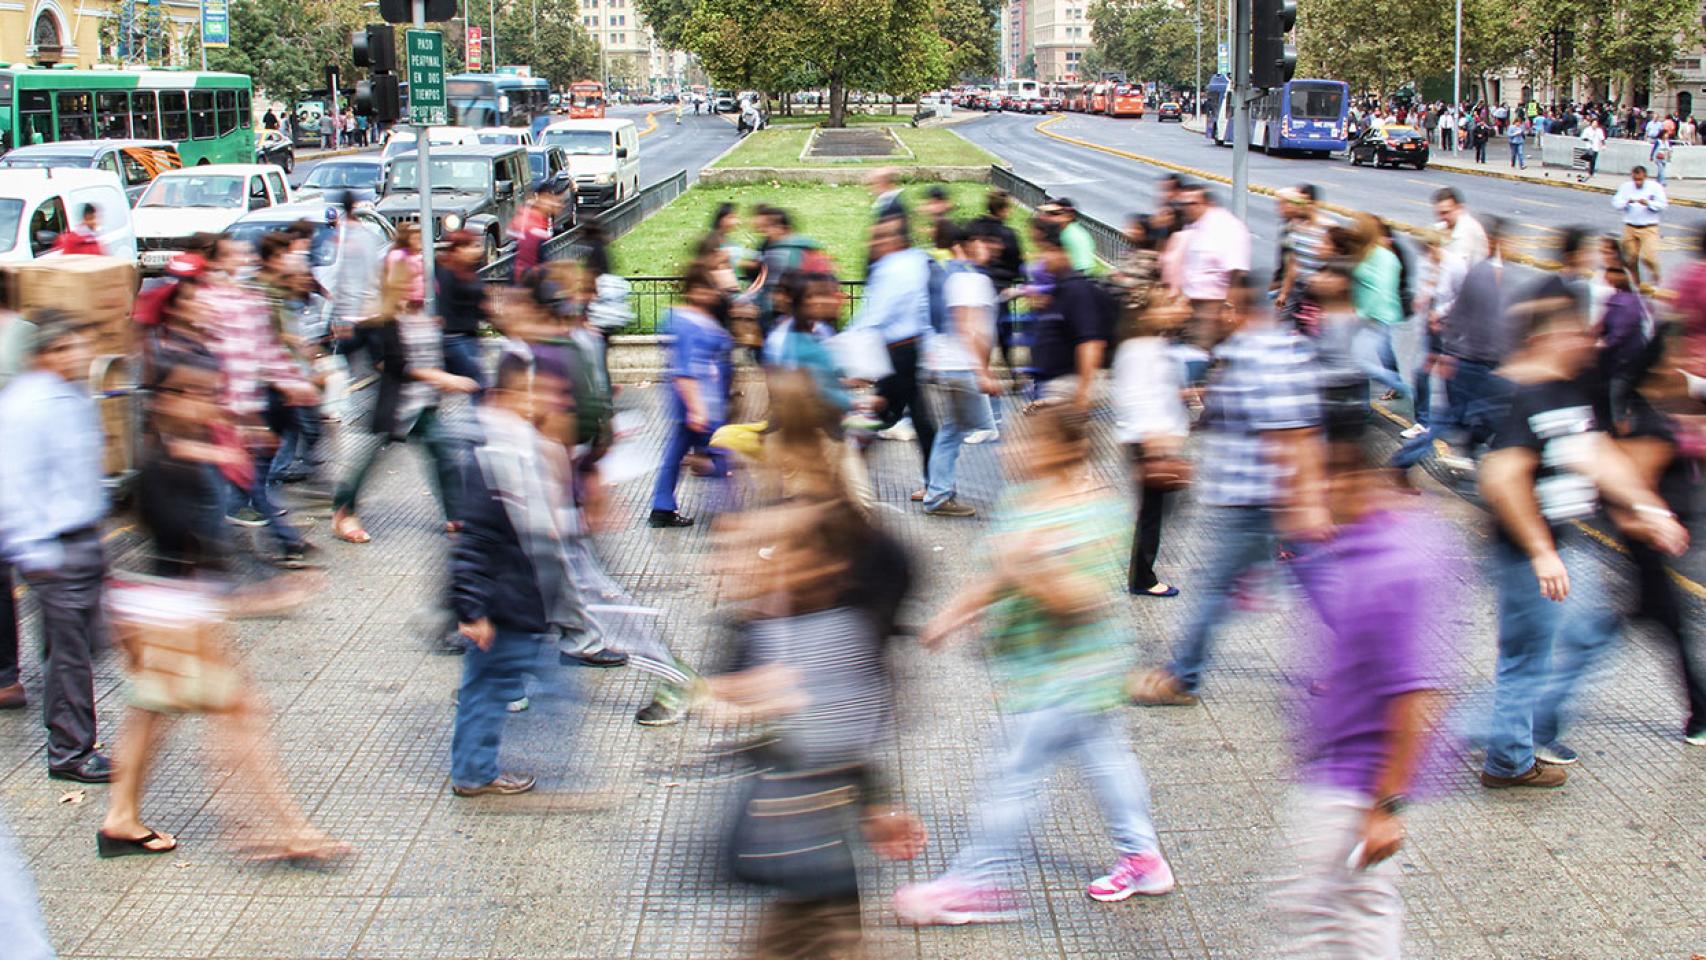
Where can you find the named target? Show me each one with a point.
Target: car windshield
(195, 190)
(11, 214)
(39, 162)
(1316, 101)
(581, 143)
(447, 175)
(322, 249)
(362, 176)
(500, 138)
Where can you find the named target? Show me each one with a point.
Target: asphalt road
(664, 152)
(1109, 187)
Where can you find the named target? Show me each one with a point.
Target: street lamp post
(1196, 97)
(1457, 84)
(492, 13)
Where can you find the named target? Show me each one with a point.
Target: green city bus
(208, 115)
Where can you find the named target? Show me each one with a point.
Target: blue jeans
(1517, 158)
(1039, 740)
(1243, 538)
(682, 439)
(259, 496)
(490, 679)
(1375, 355)
(296, 442)
(958, 408)
(1545, 649)
(1475, 400)
(462, 355)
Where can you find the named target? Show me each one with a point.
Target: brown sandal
(1158, 688)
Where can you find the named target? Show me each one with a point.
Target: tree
(668, 20)
(1375, 44)
(285, 45)
(1147, 39)
(1633, 43)
(969, 27)
(553, 43)
(1028, 67)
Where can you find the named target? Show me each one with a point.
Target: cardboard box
(99, 290)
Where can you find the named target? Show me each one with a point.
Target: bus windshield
(1317, 101)
(447, 176)
(221, 191)
(581, 143)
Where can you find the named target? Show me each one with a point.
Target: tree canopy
(1147, 39)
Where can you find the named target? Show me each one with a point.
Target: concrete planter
(635, 358)
(729, 176)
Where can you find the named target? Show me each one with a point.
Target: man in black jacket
(507, 575)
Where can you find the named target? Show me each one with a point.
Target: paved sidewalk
(1690, 193)
(616, 854)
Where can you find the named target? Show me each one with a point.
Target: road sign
(1224, 60)
(426, 78)
(476, 44)
(215, 23)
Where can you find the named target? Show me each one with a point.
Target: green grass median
(931, 146)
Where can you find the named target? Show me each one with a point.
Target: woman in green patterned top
(1058, 654)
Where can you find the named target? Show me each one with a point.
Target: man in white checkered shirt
(1260, 473)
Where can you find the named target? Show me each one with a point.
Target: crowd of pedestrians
(1571, 399)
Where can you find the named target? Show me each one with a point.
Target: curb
(1566, 184)
(1422, 232)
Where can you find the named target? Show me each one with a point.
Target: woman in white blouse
(1148, 386)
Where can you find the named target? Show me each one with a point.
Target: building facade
(70, 31)
(1059, 37)
(1015, 38)
(630, 56)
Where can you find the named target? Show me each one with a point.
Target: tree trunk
(837, 103)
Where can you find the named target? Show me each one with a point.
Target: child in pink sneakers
(1059, 655)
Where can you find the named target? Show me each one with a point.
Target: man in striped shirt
(1303, 246)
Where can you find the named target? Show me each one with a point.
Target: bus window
(227, 114)
(35, 114)
(201, 114)
(174, 116)
(114, 113)
(245, 110)
(76, 115)
(144, 117)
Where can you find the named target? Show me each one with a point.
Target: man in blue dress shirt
(51, 504)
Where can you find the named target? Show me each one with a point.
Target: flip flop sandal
(350, 532)
(323, 853)
(109, 847)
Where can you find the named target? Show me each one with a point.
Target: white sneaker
(900, 431)
(983, 436)
(517, 706)
(1413, 431)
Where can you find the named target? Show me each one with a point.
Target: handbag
(792, 831)
(1167, 472)
(174, 641)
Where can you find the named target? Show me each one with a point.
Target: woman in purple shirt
(698, 358)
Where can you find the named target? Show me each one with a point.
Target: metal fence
(1111, 244)
(615, 222)
(650, 297)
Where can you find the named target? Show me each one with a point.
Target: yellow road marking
(651, 123)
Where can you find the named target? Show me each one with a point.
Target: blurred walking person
(1059, 654)
(897, 302)
(698, 396)
(956, 361)
(1148, 394)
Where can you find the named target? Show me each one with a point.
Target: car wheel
(491, 248)
(289, 162)
(1421, 164)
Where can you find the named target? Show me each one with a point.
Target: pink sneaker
(1136, 873)
(954, 902)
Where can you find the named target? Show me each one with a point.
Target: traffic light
(1272, 60)
(375, 48)
(403, 11)
(379, 98)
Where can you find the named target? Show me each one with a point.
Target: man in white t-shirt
(1466, 238)
(956, 365)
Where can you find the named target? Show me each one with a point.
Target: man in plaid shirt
(241, 336)
(1261, 474)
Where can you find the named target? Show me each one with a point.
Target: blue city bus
(1311, 116)
(1214, 98)
(496, 100)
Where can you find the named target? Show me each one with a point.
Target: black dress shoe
(668, 518)
(94, 768)
(598, 658)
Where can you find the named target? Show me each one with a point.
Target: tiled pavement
(615, 856)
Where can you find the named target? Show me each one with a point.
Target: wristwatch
(1391, 805)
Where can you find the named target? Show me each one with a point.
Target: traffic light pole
(1240, 93)
(423, 179)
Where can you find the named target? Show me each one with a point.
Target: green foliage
(1148, 39)
(969, 27)
(1375, 44)
(553, 43)
(668, 20)
(285, 45)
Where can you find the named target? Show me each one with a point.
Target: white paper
(861, 354)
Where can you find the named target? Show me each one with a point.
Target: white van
(604, 156)
(37, 205)
(401, 140)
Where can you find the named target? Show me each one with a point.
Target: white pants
(1330, 911)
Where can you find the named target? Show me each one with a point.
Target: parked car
(37, 205)
(476, 188)
(1170, 110)
(1390, 144)
(275, 148)
(331, 178)
(135, 162)
(182, 203)
(724, 102)
(548, 169)
(402, 139)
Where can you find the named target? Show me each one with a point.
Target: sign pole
(423, 178)
(1240, 90)
(203, 43)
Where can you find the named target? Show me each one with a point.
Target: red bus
(1126, 101)
(1099, 98)
(586, 100)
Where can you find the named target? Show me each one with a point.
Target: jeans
(1375, 355)
(462, 355)
(682, 439)
(901, 395)
(1328, 909)
(20, 911)
(1475, 400)
(1517, 159)
(490, 679)
(1146, 541)
(958, 408)
(296, 442)
(442, 457)
(1545, 649)
(1480, 151)
(1244, 537)
(1039, 740)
